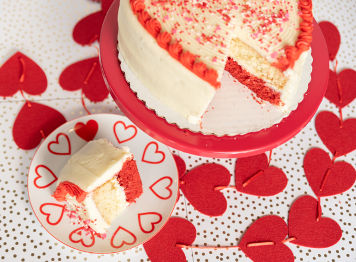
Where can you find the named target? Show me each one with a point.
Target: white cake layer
(94, 164)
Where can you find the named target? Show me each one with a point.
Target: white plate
(137, 223)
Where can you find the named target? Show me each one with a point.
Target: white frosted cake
(98, 183)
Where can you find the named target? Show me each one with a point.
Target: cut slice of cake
(98, 183)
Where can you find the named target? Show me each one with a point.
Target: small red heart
(53, 212)
(44, 177)
(87, 30)
(148, 220)
(122, 237)
(254, 176)
(199, 187)
(162, 247)
(85, 75)
(62, 147)
(347, 92)
(20, 72)
(80, 235)
(180, 165)
(336, 177)
(152, 154)
(161, 188)
(340, 140)
(34, 122)
(105, 5)
(332, 38)
(267, 229)
(309, 232)
(126, 132)
(87, 131)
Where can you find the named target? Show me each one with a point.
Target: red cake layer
(73, 190)
(255, 84)
(130, 180)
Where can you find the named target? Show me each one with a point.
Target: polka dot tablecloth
(42, 29)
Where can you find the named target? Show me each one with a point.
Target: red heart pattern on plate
(152, 154)
(61, 146)
(309, 232)
(53, 212)
(123, 132)
(44, 177)
(87, 30)
(20, 72)
(332, 38)
(161, 188)
(345, 80)
(267, 229)
(82, 235)
(162, 247)
(122, 237)
(340, 140)
(85, 75)
(199, 187)
(86, 131)
(327, 178)
(254, 176)
(180, 165)
(148, 220)
(34, 122)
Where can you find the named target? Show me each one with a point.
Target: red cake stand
(197, 143)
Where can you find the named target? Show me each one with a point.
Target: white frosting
(94, 164)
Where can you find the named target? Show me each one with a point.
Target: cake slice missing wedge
(98, 183)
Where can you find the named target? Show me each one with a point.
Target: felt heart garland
(21, 73)
(180, 165)
(332, 38)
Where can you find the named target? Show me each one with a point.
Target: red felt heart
(44, 177)
(122, 237)
(61, 146)
(336, 177)
(148, 220)
(82, 235)
(347, 92)
(254, 176)
(53, 212)
(162, 247)
(332, 38)
(20, 72)
(267, 229)
(87, 131)
(105, 5)
(87, 30)
(123, 132)
(180, 165)
(198, 186)
(85, 75)
(162, 188)
(152, 155)
(34, 122)
(309, 232)
(340, 140)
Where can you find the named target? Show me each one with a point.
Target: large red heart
(148, 220)
(85, 75)
(162, 188)
(87, 30)
(123, 132)
(336, 177)
(44, 177)
(254, 176)
(347, 92)
(34, 122)
(180, 165)
(309, 232)
(122, 237)
(332, 38)
(20, 72)
(340, 140)
(199, 187)
(61, 146)
(53, 212)
(84, 236)
(152, 155)
(162, 247)
(267, 229)
(87, 131)
(105, 5)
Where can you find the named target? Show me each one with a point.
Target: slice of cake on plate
(98, 183)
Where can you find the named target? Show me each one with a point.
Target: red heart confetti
(85, 75)
(86, 131)
(162, 188)
(53, 212)
(20, 72)
(325, 177)
(152, 154)
(61, 146)
(199, 187)
(84, 236)
(264, 240)
(122, 237)
(308, 231)
(34, 122)
(148, 220)
(180, 165)
(105, 5)
(339, 139)
(44, 177)
(254, 176)
(162, 247)
(123, 132)
(87, 30)
(332, 38)
(341, 87)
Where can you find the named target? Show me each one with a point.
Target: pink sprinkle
(274, 54)
(188, 19)
(166, 17)
(214, 59)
